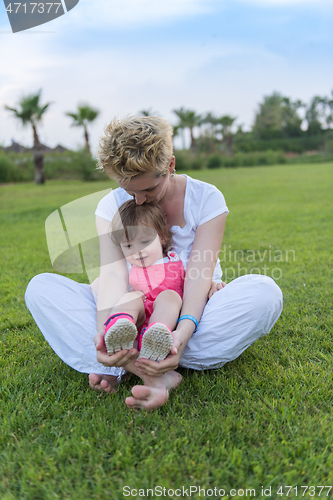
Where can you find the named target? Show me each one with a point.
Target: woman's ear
(172, 164)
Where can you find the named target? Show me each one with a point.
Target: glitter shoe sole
(156, 342)
(120, 336)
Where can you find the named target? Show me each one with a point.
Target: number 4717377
(35, 7)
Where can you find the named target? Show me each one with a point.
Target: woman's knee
(254, 293)
(35, 288)
(270, 292)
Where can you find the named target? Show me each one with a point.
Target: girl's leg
(235, 317)
(156, 341)
(166, 308)
(131, 303)
(65, 312)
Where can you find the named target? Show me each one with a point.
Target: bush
(183, 160)
(85, 166)
(198, 163)
(214, 161)
(13, 170)
(5, 168)
(249, 144)
(19, 167)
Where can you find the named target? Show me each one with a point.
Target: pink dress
(155, 279)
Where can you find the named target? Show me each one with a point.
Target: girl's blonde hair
(130, 217)
(134, 146)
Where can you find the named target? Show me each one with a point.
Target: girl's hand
(216, 286)
(120, 359)
(171, 362)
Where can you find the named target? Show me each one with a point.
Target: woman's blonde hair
(130, 217)
(134, 146)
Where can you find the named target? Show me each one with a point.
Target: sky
(121, 57)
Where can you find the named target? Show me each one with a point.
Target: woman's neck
(171, 193)
(172, 203)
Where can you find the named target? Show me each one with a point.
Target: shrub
(5, 168)
(214, 161)
(12, 170)
(183, 160)
(198, 163)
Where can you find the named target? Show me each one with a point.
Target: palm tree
(85, 114)
(30, 112)
(188, 119)
(148, 112)
(212, 122)
(226, 123)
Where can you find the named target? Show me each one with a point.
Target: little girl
(157, 280)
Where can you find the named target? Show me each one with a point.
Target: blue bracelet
(192, 318)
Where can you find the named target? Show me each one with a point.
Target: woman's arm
(200, 268)
(112, 286)
(113, 273)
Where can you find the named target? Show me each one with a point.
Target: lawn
(261, 423)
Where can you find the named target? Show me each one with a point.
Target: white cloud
(128, 13)
(221, 77)
(225, 79)
(286, 3)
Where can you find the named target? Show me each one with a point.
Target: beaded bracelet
(192, 318)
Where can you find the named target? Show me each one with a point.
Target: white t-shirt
(202, 203)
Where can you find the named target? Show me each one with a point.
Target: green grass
(263, 420)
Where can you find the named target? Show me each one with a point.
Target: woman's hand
(171, 362)
(120, 359)
(216, 286)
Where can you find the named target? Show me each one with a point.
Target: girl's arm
(112, 286)
(200, 268)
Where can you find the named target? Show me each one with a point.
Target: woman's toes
(107, 387)
(106, 383)
(94, 380)
(141, 391)
(147, 398)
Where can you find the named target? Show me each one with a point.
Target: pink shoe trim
(145, 329)
(120, 333)
(114, 317)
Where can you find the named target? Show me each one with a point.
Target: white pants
(242, 312)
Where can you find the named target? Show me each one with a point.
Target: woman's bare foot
(106, 383)
(155, 392)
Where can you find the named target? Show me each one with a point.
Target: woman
(137, 152)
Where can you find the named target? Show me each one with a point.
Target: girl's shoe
(120, 333)
(155, 342)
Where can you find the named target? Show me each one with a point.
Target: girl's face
(144, 249)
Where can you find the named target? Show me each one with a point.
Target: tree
(277, 117)
(212, 122)
(176, 129)
(188, 119)
(226, 123)
(329, 118)
(85, 114)
(319, 114)
(148, 112)
(30, 112)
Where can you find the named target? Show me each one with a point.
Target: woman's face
(148, 188)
